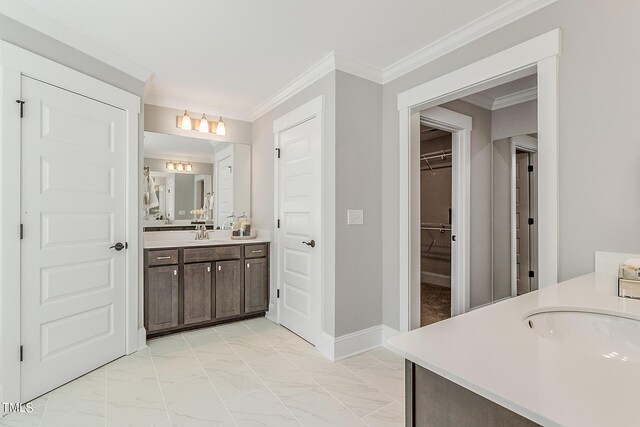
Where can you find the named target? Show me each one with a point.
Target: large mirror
(193, 181)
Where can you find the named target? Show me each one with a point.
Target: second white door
(300, 246)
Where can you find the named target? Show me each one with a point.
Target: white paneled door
(299, 275)
(224, 179)
(73, 212)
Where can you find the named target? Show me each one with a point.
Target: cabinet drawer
(167, 257)
(255, 251)
(211, 254)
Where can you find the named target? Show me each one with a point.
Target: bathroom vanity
(564, 355)
(191, 284)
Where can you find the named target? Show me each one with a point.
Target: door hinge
(19, 101)
(278, 223)
(278, 151)
(530, 168)
(21, 354)
(530, 221)
(532, 274)
(278, 293)
(21, 231)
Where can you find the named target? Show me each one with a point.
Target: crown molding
(181, 104)
(357, 68)
(313, 74)
(32, 18)
(485, 24)
(515, 98)
(479, 100)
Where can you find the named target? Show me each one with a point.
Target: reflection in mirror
(193, 181)
(515, 228)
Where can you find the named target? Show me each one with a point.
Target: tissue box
(628, 282)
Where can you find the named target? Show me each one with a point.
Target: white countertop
(491, 352)
(175, 239)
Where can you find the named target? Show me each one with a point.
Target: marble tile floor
(250, 373)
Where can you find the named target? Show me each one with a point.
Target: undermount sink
(609, 336)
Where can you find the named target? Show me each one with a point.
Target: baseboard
(388, 332)
(436, 279)
(326, 345)
(357, 342)
(142, 338)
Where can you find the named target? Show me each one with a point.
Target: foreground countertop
(491, 352)
(186, 239)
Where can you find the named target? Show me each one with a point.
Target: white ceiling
(179, 148)
(233, 55)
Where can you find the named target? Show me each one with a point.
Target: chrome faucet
(202, 233)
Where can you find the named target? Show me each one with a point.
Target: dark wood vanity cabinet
(256, 285)
(197, 293)
(200, 286)
(162, 297)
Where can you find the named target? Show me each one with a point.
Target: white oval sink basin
(608, 336)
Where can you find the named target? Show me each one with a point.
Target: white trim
(460, 127)
(515, 98)
(180, 104)
(313, 74)
(142, 338)
(388, 332)
(608, 262)
(484, 101)
(14, 63)
(479, 27)
(33, 18)
(437, 279)
(539, 54)
(313, 108)
(357, 342)
(358, 68)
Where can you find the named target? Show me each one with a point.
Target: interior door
(522, 223)
(225, 187)
(73, 211)
(300, 246)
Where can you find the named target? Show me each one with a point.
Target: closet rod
(440, 229)
(436, 155)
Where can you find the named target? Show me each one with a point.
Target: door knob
(311, 243)
(119, 246)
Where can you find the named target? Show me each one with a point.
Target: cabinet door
(162, 297)
(228, 289)
(256, 285)
(197, 293)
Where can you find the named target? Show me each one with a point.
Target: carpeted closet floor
(435, 303)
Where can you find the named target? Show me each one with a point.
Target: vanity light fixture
(184, 121)
(179, 166)
(221, 129)
(204, 124)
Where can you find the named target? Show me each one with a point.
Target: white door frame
(460, 127)
(540, 55)
(14, 63)
(525, 143)
(313, 108)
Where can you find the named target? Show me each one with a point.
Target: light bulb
(186, 121)
(204, 124)
(180, 167)
(188, 167)
(221, 129)
(170, 166)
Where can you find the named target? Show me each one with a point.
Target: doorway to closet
(435, 224)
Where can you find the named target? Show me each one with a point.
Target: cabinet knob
(247, 265)
(219, 268)
(209, 269)
(175, 272)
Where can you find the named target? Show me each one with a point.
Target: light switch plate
(355, 217)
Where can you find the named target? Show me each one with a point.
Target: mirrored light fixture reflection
(202, 125)
(179, 166)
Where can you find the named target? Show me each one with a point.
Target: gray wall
(480, 239)
(598, 152)
(184, 195)
(262, 153)
(358, 186)
(501, 229)
(519, 119)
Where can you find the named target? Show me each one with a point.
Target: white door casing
(538, 55)
(15, 63)
(298, 140)
(224, 185)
